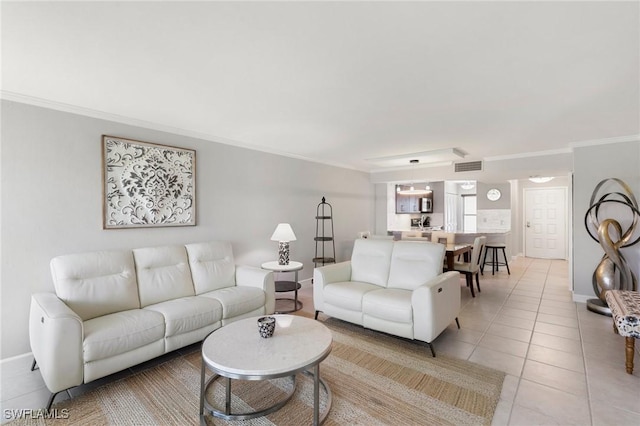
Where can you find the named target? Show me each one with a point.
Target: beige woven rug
(375, 379)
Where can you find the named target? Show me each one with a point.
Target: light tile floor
(564, 364)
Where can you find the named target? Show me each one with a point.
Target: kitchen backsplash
(494, 219)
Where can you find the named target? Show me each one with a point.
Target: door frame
(565, 191)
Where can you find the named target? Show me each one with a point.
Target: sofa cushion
(212, 265)
(391, 304)
(114, 334)
(187, 314)
(348, 294)
(163, 274)
(415, 263)
(96, 284)
(237, 301)
(370, 261)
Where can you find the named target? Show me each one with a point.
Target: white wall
(51, 203)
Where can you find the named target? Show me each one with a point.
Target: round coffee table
(236, 351)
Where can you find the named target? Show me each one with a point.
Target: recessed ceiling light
(540, 179)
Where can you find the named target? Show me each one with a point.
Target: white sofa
(114, 309)
(396, 287)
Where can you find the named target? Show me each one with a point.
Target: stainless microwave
(426, 205)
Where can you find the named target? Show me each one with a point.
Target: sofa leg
(33, 365)
(51, 398)
(316, 317)
(432, 351)
(457, 323)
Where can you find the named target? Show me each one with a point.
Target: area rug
(375, 379)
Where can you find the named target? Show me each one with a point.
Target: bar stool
(495, 264)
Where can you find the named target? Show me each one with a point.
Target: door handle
(528, 224)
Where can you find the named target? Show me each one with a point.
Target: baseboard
(306, 283)
(581, 298)
(16, 358)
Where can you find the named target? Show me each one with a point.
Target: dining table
(454, 250)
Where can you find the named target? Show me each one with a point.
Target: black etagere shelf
(325, 245)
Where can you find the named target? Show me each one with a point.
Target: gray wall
(591, 165)
(438, 196)
(485, 204)
(52, 203)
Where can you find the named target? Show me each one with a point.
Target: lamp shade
(283, 232)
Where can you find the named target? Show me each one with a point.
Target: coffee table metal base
(228, 415)
(318, 418)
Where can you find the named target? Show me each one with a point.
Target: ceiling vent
(469, 166)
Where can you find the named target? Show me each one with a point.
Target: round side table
(286, 286)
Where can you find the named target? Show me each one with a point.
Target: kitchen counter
(493, 236)
(426, 232)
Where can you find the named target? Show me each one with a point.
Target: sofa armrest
(251, 276)
(56, 336)
(435, 305)
(323, 275)
(334, 273)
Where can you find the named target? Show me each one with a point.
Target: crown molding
(569, 149)
(530, 154)
(606, 141)
(102, 115)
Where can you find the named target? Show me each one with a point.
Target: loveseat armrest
(323, 275)
(56, 335)
(334, 273)
(251, 276)
(435, 305)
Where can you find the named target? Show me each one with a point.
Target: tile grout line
(515, 395)
(584, 363)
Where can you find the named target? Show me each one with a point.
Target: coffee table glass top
(237, 348)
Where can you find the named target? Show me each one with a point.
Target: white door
(546, 223)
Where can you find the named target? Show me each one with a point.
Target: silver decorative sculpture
(613, 272)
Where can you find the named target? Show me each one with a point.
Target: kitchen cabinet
(413, 203)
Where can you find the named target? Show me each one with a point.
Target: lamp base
(283, 253)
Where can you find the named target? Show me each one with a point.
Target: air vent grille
(469, 166)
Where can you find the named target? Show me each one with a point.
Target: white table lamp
(283, 234)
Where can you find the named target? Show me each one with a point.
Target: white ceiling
(339, 82)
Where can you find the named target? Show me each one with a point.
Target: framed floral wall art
(147, 185)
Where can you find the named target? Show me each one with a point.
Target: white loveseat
(114, 309)
(396, 287)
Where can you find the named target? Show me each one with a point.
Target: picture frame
(147, 185)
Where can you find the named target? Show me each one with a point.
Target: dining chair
(471, 268)
(446, 238)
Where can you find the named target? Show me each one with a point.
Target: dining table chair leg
(469, 278)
